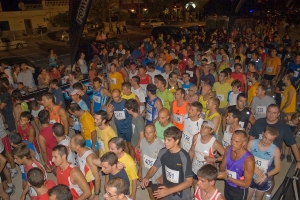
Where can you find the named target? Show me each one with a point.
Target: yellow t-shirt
(207, 117)
(222, 92)
(292, 107)
(130, 168)
(230, 80)
(203, 103)
(87, 125)
(252, 93)
(103, 136)
(272, 65)
(115, 81)
(127, 97)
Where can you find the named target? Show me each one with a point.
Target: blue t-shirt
(58, 96)
(187, 87)
(31, 147)
(122, 118)
(146, 60)
(210, 77)
(86, 98)
(296, 68)
(258, 64)
(121, 174)
(160, 69)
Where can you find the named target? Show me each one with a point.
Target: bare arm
(17, 112)
(2, 162)
(94, 139)
(223, 163)
(192, 149)
(95, 172)
(64, 118)
(78, 178)
(296, 153)
(224, 119)
(141, 134)
(216, 121)
(198, 77)
(217, 146)
(31, 134)
(277, 162)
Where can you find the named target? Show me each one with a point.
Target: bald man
(122, 118)
(163, 123)
(85, 157)
(192, 96)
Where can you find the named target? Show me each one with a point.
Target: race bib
(101, 144)
(262, 164)
(220, 97)
(226, 139)
(172, 175)
(148, 161)
(187, 138)
(52, 121)
(113, 81)
(241, 123)
(191, 73)
(260, 136)
(120, 115)
(269, 69)
(178, 118)
(96, 99)
(22, 169)
(296, 73)
(231, 174)
(261, 110)
(249, 55)
(197, 164)
(148, 116)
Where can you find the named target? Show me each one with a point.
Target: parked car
(6, 44)
(62, 35)
(150, 23)
(173, 31)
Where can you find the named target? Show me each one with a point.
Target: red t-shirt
(49, 184)
(55, 75)
(51, 142)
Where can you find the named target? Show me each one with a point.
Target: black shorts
(235, 193)
(269, 77)
(153, 186)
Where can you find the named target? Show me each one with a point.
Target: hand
(109, 108)
(120, 165)
(23, 197)
(260, 179)
(160, 180)
(132, 196)
(222, 175)
(94, 149)
(162, 191)
(48, 168)
(144, 183)
(209, 159)
(258, 172)
(140, 175)
(297, 165)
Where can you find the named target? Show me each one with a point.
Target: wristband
(97, 194)
(267, 175)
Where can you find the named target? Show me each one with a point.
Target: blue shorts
(126, 136)
(263, 187)
(88, 143)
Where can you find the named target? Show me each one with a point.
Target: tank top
(203, 103)
(144, 80)
(226, 141)
(222, 67)
(239, 77)
(84, 168)
(245, 115)
(98, 99)
(151, 112)
(71, 156)
(122, 118)
(172, 88)
(127, 97)
(263, 159)
(292, 107)
(54, 117)
(179, 114)
(63, 177)
(215, 196)
(210, 117)
(25, 136)
(235, 168)
(202, 150)
(51, 142)
(192, 73)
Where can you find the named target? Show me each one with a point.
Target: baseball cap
(73, 92)
(209, 123)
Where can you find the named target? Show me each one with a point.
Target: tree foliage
(100, 9)
(60, 20)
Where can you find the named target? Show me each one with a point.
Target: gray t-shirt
(26, 78)
(138, 125)
(149, 153)
(260, 106)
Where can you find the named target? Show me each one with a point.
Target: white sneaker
(13, 174)
(268, 196)
(8, 165)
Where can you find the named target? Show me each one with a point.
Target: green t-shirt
(222, 92)
(160, 130)
(166, 98)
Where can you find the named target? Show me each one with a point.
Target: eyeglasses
(110, 195)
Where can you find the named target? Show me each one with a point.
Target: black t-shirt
(248, 54)
(121, 174)
(245, 115)
(281, 87)
(285, 133)
(87, 100)
(7, 111)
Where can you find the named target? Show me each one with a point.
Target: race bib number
(149, 116)
(231, 174)
(220, 97)
(197, 164)
(148, 161)
(113, 81)
(296, 73)
(261, 110)
(101, 144)
(52, 121)
(178, 118)
(262, 164)
(172, 175)
(96, 99)
(269, 69)
(120, 115)
(191, 73)
(187, 138)
(241, 123)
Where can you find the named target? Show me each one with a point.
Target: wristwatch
(97, 194)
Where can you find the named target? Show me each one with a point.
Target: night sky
(12, 5)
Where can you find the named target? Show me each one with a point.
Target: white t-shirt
(36, 112)
(152, 74)
(132, 74)
(141, 93)
(190, 128)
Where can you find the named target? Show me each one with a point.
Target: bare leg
(7, 174)
(3, 194)
(10, 159)
(250, 194)
(259, 195)
(151, 193)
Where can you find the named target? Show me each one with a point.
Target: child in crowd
(236, 90)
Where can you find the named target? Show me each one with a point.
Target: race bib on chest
(149, 116)
(231, 174)
(262, 164)
(96, 99)
(52, 121)
(249, 55)
(261, 110)
(120, 115)
(172, 175)
(197, 164)
(178, 118)
(241, 123)
(296, 73)
(148, 161)
(269, 69)
(187, 138)
(220, 97)
(101, 144)
(191, 73)
(113, 81)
